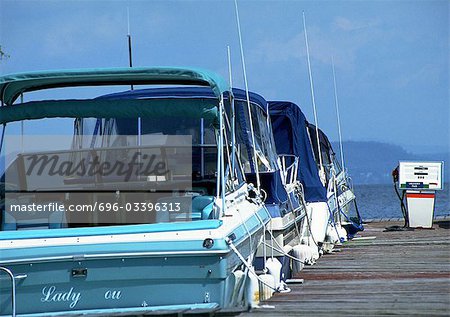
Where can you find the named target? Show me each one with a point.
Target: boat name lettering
(113, 294)
(50, 294)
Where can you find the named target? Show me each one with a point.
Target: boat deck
(404, 273)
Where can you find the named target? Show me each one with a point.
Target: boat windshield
(262, 138)
(90, 171)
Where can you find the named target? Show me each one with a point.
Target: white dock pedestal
(420, 208)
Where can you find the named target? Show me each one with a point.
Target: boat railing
(13, 289)
(289, 168)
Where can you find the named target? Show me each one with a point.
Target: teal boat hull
(135, 277)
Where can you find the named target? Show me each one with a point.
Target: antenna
(130, 61)
(338, 116)
(321, 171)
(130, 56)
(258, 183)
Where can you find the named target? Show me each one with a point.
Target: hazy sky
(391, 57)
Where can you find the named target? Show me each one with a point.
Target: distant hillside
(373, 162)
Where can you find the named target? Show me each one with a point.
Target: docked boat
(340, 193)
(291, 138)
(274, 176)
(172, 225)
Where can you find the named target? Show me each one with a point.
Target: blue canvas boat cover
(325, 145)
(271, 179)
(291, 137)
(189, 92)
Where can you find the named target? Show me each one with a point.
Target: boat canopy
(291, 137)
(186, 92)
(263, 137)
(99, 108)
(264, 143)
(11, 86)
(325, 145)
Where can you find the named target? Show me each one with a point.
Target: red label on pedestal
(419, 195)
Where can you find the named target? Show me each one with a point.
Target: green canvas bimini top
(121, 108)
(11, 86)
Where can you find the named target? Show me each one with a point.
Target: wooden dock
(404, 273)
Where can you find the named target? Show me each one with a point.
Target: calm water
(380, 201)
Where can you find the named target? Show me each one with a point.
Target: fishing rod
(336, 102)
(22, 128)
(255, 154)
(341, 149)
(233, 116)
(321, 170)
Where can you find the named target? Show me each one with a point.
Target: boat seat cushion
(200, 208)
(204, 205)
(55, 220)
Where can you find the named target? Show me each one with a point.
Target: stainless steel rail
(13, 289)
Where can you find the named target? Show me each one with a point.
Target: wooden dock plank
(405, 273)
